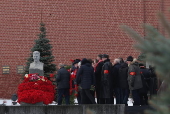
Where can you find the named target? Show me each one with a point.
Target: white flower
(26, 75)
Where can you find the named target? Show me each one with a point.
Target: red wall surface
(76, 29)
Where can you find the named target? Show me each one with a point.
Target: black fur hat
(105, 56)
(76, 61)
(129, 58)
(100, 55)
(84, 61)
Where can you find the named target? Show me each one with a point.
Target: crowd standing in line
(105, 81)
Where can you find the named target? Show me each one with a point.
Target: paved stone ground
(9, 102)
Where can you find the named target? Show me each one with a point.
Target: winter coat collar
(88, 64)
(116, 64)
(61, 67)
(124, 65)
(135, 63)
(107, 60)
(84, 61)
(97, 65)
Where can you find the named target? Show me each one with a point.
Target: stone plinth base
(67, 109)
(28, 104)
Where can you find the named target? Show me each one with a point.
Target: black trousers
(106, 101)
(61, 93)
(144, 98)
(98, 93)
(86, 97)
(117, 91)
(124, 96)
(79, 98)
(136, 97)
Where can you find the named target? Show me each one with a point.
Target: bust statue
(36, 66)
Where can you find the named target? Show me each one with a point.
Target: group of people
(105, 81)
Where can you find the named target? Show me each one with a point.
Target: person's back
(134, 77)
(63, 78)
(135, 82)
(123, 75)
(85, 78)
(153, 82)
(86, 73)
(115, 72)
(145, 76)
(97, 72)
(123, 83)
(116, 85)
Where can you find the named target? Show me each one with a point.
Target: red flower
(51, 75)
(71, 60)
(39, 90)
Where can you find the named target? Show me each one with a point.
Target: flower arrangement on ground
(35, 89)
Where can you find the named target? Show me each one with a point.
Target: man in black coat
(117, 90)
(63, 78)
(153, 83)
(97, 71)
(145, 75)
(106, 92)
(123, 83)
(85, 78)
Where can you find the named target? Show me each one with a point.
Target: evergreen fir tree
(44, 47)
(157, 50)
(142, 57)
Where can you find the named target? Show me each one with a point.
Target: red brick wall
(166, 12)
(76, 29)
(166, 8)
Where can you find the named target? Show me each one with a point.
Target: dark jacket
(85, 76)
(123, 76)
(145, 76)
(63, 78)
(134, 77)
(98, 73)
(98, 77)
(153, 81)
(115, 72)
(106, 80)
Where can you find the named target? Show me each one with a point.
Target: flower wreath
(36, 89)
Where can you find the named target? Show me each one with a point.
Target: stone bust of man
(36, 66)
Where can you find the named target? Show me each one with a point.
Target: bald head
(116, 61)
(60, 65)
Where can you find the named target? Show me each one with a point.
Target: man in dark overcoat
(63, 85)
(97, 72)
(106, 92)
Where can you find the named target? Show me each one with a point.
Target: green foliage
(156, 48)
(72, 97)
(44, 47)
(67, 67)
(142, 57)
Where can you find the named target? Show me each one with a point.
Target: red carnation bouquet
(36, 89)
